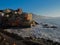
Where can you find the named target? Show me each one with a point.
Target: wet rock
(31, 42)
(53, 26)
(1, 38)
(49, 26)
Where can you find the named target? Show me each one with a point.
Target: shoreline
(30, 40)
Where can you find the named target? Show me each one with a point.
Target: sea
(38, 31)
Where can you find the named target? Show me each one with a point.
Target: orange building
(28, 16)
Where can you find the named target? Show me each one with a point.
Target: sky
(40, 7)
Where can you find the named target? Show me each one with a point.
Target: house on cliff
(15, 18)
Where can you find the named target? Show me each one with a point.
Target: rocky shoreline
(25, 40)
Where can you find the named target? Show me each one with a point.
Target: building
(16, 18)
(28, 16)
(19, 11)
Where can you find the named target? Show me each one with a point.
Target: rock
(49, 26)
(1, 38)
(53, 27)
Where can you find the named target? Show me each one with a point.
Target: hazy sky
(40, 7)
